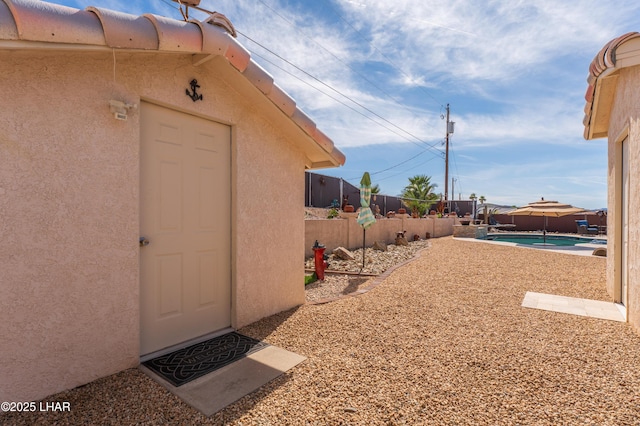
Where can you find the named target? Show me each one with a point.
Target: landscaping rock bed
(376, 262)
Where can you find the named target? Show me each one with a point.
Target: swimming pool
(538, 239)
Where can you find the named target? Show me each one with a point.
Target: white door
(624, 265)
(185, 215)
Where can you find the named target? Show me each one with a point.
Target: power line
(406, 170)
(361, 75)
(423, 144)
(296, 28)
(388, 60)
(399, 164)
(455, 166)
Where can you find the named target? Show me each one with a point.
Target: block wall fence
(345, 231)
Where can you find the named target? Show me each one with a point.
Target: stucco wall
(68, 197)
(625, 117)
(69, 200)
(270, 224)
(345, 232)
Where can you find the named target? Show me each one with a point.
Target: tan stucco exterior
(613, 111)
(69, 196)
(625, 123)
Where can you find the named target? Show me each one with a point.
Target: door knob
(143, 242)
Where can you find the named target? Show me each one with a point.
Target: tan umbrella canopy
(546, 209)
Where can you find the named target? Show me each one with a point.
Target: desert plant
(332, 213)
(308, 279)
(418, 195)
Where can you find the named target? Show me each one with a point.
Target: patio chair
(495, 225)
(584, 227)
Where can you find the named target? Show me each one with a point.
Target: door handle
(143, 242)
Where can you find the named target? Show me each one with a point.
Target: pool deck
(582, 249)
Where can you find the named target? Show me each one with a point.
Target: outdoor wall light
(120, 109)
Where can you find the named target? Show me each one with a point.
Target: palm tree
(418, 195)
(482, 199)
(375, 190)
(473, 197)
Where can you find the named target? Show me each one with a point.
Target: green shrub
(308, 279)
(332, 213)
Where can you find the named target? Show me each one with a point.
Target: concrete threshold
(213, 392)
(574, 306)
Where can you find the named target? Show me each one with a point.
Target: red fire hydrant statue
(320, 263)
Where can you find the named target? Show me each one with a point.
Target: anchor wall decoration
(193, 94)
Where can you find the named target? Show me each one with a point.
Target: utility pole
(446, 157)
(453, 192)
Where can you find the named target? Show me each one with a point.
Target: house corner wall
(69, 203)
(625, 119)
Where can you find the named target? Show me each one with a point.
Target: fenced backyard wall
(345, 231)
(322, 191)
(564, 224)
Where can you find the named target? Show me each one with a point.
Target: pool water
(556, 240)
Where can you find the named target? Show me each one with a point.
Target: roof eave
(600, 113)
(621, 52)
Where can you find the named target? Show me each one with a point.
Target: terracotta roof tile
(122, 31)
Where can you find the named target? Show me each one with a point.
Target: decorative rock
(379, 246)
(376, 261)
(600, 251)
(343, 253)
(401, 241)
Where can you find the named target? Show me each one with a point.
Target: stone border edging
(375, 283)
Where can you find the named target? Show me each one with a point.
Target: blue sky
(377, 75)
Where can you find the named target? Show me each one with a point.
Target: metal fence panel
(323, 191)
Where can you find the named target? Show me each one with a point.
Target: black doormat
(187, 364)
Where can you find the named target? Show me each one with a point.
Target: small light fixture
(120, 109)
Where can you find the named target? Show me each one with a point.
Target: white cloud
(489, 42)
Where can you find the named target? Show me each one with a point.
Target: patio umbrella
(546, 209)
(365, 216)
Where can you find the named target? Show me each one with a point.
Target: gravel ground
(442, 340)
